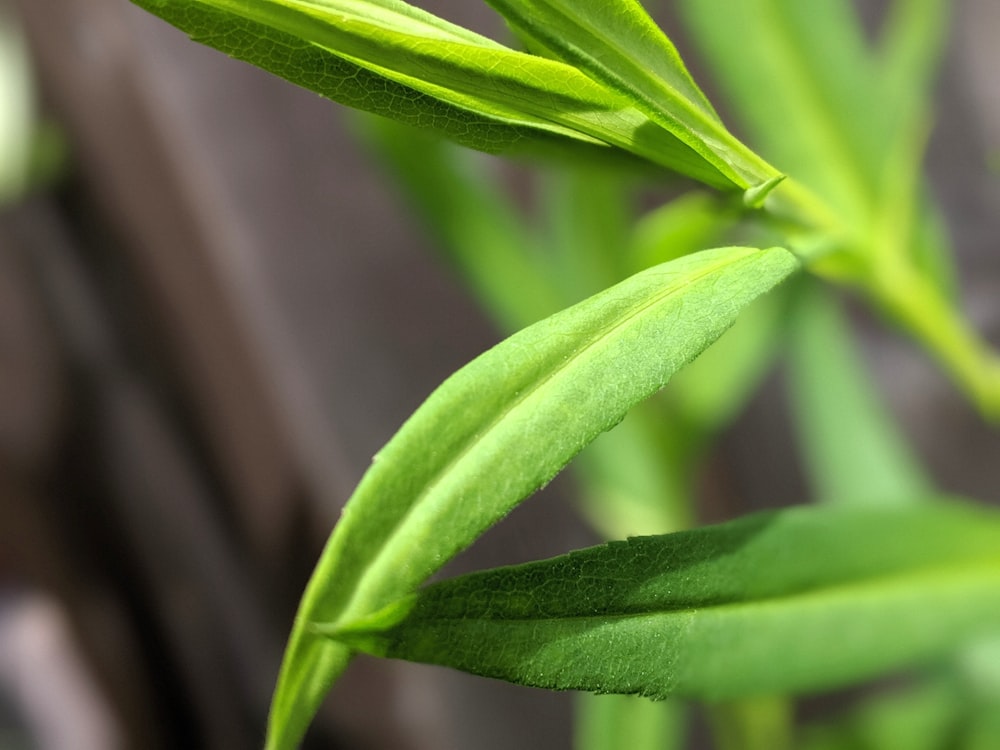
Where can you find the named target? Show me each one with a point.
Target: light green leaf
(861, 114)
(637, 478)
(800, 76)
(910, 49)
(852, 450)
(640, 477)
(618, 44)
(757, 723)
(720, 612)
(495, 432)
(390, 58)
(708, 395)
(908, 55)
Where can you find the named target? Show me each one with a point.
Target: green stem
(793, 202)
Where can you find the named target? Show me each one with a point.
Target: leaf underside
(390, 58)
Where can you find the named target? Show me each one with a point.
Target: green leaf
(390, 58)
(708, 395)
(618, 44)
(908, 55)
(495, 432)
(852, 449)
(640, 477)
(910, 49)
(861, 115)
(800, 76)
(803, 599)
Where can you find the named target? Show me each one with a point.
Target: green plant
(883, 574)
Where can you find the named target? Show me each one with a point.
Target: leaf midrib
(383, 556)
(694, 107)
(986, 568)
(529, 113)
(694, 116)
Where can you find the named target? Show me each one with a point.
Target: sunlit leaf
(388, 57)
(619, 45)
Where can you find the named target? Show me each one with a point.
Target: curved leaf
(495, 432)
(388, 57)
(812, 61)
(720, 612)
(618, 44)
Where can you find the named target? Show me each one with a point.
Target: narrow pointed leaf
(388, 57)
(495, 432)
(812, 61)
(721, 612)
(618, 44)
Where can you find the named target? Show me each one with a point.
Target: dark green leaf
(797, 600)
